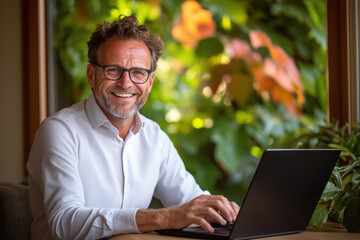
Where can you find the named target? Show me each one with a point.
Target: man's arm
(185, 203)
(54, 168)
(203, 211)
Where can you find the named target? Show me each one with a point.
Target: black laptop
(281, 198)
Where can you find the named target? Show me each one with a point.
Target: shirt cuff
(124, 221)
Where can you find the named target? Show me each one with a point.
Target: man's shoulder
(148, 121)
(153, 129)
(149, 124)
(69, 115)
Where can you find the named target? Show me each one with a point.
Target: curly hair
(127, 27)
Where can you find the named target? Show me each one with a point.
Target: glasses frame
(124, 70)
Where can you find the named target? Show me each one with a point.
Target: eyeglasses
(115, 72)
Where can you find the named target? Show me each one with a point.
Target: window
(343, 100)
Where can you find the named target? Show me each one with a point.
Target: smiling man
(95, 166)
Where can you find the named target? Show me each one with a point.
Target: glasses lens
(139, 75)
(113, 72)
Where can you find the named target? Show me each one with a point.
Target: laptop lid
(284, 192)
(282, 196)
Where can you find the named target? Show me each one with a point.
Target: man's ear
(90, 72)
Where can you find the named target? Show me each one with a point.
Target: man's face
(122, 98)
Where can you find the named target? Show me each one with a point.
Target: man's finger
(222, 205)
(236, 209)
(204, 224)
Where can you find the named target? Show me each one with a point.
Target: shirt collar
(97, 117)
(137, 124)
(94, 113)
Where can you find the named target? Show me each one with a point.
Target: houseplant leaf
(352, 214)
(319, 216)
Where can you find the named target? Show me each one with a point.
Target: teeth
(122, 94)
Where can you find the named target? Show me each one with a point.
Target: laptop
(281, 198)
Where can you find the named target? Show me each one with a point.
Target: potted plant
(340, 200)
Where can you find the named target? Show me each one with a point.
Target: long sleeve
(175, 185)
(56, 151)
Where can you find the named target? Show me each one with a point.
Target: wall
(11, 93)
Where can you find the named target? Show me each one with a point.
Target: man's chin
(123, 115)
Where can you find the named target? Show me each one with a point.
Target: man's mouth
(123, 95)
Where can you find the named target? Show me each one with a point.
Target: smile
(123, 95)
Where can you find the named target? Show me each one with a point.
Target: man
(94, 167)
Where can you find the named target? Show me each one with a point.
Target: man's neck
(122, 125)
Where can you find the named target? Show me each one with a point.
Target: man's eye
(138, 72)
(113, 70)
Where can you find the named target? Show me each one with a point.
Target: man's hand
(203, 211)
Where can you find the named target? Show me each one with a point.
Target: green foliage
(222, 135)
(341, 197)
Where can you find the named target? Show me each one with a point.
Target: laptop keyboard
(222, 230)
(218, 229)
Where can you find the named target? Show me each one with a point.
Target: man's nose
(125, 80)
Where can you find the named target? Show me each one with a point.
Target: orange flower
(264, 85)
(238, 48)
(194, 24)
(279, 76)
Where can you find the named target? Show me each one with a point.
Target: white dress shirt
(87, 183)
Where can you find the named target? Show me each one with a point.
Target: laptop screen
(284, 191)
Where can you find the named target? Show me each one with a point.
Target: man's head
(123, 57)
(125, 28)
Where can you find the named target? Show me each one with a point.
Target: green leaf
(236, 9)
(336, 177)
(330, 191)
(191, 143)
(342, 200)
(319, 216)
(352, 214)
(204, 171)
(316, 11)
(291, 10)
(308, 76)
(209, 47)
(232, 144)
(355, 176)
(240, 88)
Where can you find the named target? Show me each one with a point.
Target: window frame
(342, 60)
(35, 102)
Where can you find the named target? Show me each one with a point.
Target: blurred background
(235, 77)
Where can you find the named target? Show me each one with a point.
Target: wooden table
(330, 231)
